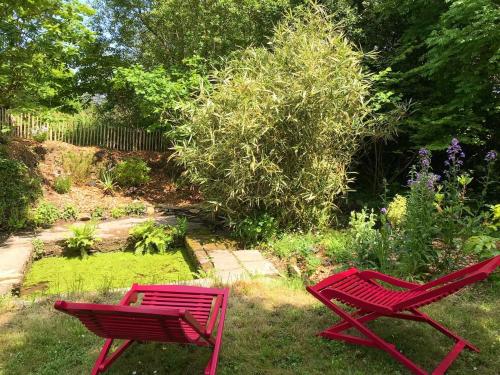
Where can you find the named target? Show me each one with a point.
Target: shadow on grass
(270, 329)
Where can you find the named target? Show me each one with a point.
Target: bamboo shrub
(278, 131)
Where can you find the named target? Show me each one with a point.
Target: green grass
(270, 329)
(105, 271)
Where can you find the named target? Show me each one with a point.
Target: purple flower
(490, 156)
(425, 163)
(455, 154)
(383, 210)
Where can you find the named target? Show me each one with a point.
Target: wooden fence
(78, 133)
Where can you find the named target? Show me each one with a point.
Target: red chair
(166, 313)
(372, 300)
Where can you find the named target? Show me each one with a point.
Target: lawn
(270, 329)
(105, 271)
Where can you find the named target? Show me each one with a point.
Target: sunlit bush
(277, 133)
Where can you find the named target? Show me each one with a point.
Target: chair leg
(371, 339)
(444, 330)
(103, 361)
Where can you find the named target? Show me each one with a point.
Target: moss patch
(105, 271)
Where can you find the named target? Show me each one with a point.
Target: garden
(277, 150)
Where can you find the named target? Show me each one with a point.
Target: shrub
(364, 235)
(40, 134)
(278, 131)
(70, 212)
(78, 165)
(252, 231)
(132, 172)
(45, 214)
(150, 238)
(19, 189)
(83, 238)
(62, 184)
(38, 248)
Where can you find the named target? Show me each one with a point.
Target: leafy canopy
(40, 46)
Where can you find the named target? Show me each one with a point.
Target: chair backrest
(449, 284)
(133, 322)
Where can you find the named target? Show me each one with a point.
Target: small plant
(135, 209)
(40, 134)
(97, 213)
(396, 210)
(83, 238)
(117, 212)
(254, 230)
(181, 227)
(149, 238)
(107, 182)
(78, 165)
(38, 248)
(132, 172)
(299, 248)
(336, 245)
(62, 184)
(45, 214)
(69, 213)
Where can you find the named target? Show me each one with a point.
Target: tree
(277, 133)
(165, 32)
(39, 50)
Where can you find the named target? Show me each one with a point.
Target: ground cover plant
(105, 271)
(286, 151)
(270, 329)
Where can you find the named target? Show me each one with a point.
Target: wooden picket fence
(78, 133)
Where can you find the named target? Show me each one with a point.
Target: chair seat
(200, 306)
(357, 292)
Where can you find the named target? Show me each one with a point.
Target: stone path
(216, 258)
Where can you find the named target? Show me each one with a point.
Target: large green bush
(278, 131)
(19, 188)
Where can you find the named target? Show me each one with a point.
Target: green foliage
(297, 248)
(483, 246)
(97, 213)
(181, 227)
(62, 184)
(167, 32)
(41, 44)
(279, 129)
(252, 231)
(396, 210)
(40, 135)
(44, 214)
(19, 190)
(135, 209)
(365, 239)
(143, 97)
(83, 238)
(69, 213)
(107, 182)
(149, 238)
(38, 248)
(337, 246)
(78, 165)
(132, 172)
(118, 212)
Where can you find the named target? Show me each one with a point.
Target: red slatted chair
(371, 300)
(166, 313)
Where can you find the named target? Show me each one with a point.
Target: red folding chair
(166, 313)
(372, 300)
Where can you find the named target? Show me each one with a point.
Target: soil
(45, 159)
